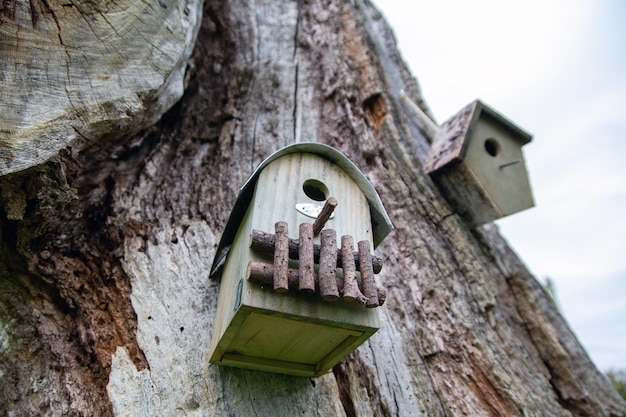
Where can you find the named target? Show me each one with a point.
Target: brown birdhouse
(478, 164)
(298, 287)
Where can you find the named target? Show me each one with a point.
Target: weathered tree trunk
(108, 231)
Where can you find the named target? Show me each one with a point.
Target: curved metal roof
(381, 225)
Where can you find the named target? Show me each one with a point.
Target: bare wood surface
(306, 261)
(328, 265)
(325, 213)
(367, 274)
(264, 242)
(281, 258)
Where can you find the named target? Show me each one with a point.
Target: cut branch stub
(328, 264)
(324, 215)
(367, 274)
(281, 258)
(264, 243)
(306, 258)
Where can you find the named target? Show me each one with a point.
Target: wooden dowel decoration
(263, 274)
(351, 290)
(281, 258)
(306, 258)
(328, 282)
(367, 274)
(324, 215)
(328, 264)
(264, 243)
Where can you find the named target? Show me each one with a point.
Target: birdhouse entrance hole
(315, 190)
(492, 147)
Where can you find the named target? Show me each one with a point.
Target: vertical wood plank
(367, 274)
(351, 290)
(306, 258)
(281, 258)
(328, 263)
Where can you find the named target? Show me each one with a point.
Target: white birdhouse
(478, 164)
(297, 274)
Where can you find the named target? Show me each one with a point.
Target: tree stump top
(75, 71)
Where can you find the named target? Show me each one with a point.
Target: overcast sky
(557, 68)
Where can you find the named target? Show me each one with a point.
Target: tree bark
(107, 237)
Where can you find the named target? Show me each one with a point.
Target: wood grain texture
(105, 303)
(73, 72)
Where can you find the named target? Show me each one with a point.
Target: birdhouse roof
(381, 225)
(451, 143)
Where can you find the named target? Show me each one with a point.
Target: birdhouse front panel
(496, 158)
(284, 330)
(296, 183)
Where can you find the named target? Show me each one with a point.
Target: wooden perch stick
(367, 274)
(262, 273)
(324, 215)
(306, 258)
(281, 258)
(351, 290)
(328, 265)
(263, 243)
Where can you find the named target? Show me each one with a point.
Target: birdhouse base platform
(270, 341)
